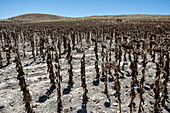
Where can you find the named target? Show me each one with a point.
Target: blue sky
(80, 8)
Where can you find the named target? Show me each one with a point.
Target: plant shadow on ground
(28, 64)
(107, 104)
(3, 66)
(96, 82)
(44, 97)
(83, 107)
(1, 107)
(167, 109)
(122, 75)
(128, 74)
(111, 78)
(68, 89)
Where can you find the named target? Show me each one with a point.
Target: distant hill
(36, 17)
(128, 16)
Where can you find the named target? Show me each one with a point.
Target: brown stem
(83, 78)
(23, 85)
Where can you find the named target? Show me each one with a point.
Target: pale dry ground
(11, 99)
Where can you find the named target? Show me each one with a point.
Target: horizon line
(91, 15)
